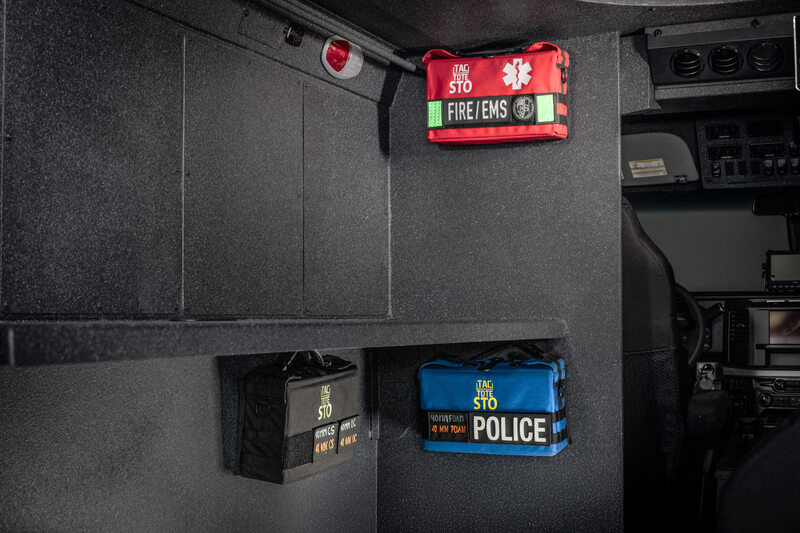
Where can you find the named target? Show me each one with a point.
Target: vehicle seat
(762, 494)
(653, 367)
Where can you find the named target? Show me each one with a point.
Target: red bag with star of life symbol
(504, 98)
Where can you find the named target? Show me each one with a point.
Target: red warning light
(337, 53)
(341, 58)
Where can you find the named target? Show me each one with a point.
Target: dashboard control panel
(749, 151)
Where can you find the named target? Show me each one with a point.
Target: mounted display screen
(784, 327)
(784, 267)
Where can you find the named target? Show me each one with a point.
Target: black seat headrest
(648, 285)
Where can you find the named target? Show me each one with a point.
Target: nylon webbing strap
(561, 436)
(488, 111)
(311, 446)
(484, 427)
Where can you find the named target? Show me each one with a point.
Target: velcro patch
(325, 441)
(450, 427)
(348, 435)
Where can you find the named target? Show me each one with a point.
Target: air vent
(765, 57)
(693, 53)
(725, 60)
(739, 326)
(686, 63)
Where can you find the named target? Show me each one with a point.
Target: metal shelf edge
(55, 342)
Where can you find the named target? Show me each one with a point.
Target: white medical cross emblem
(517, 74)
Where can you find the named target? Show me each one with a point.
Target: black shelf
(55, 342)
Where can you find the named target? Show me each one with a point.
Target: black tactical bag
(297, 416)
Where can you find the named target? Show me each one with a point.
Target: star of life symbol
(517, 74)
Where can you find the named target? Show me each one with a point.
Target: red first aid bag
(503, 98)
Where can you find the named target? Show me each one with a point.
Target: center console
(762, 355)
(755, 345)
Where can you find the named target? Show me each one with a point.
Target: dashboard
(748, 151)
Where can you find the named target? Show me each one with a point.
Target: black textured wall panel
(513, 230)
(137, 446)
(346, 147)
(244, 184)
(636, 86)
(95, 168)
(91, 170)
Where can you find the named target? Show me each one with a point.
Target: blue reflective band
(494, 449)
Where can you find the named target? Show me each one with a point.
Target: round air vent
(765, 57)
(725, 60)
(686, 63)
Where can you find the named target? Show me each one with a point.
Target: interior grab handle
(796, 29)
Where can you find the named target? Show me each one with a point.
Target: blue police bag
(510, 401)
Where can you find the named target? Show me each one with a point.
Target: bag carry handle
(314, 362)
(310, 357)
(507, 353)
(439, 53)
(518, 353)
